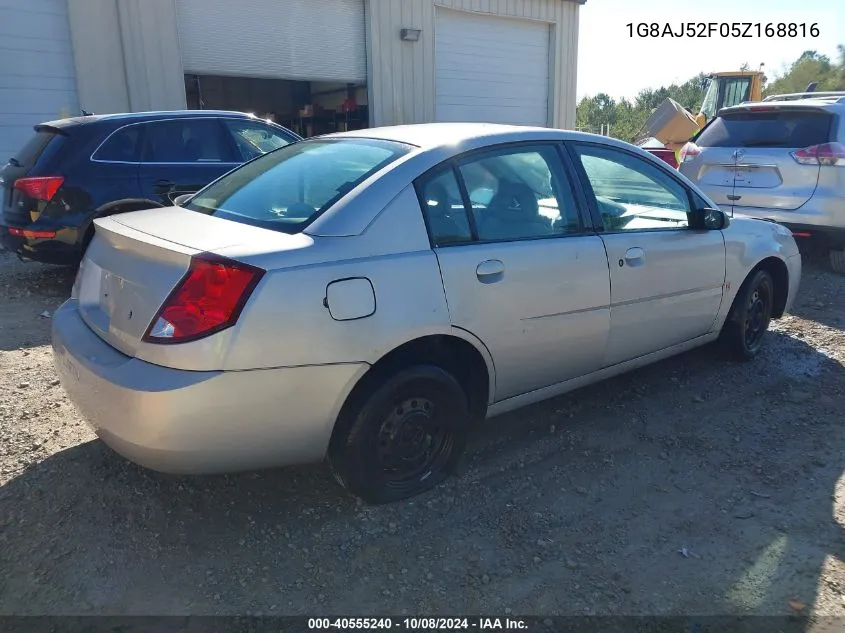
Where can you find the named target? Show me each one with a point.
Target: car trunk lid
(124, 278)
(771, 178)
(136, 260)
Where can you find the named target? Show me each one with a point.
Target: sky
(611, 61)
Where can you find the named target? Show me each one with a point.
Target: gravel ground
(695, 486)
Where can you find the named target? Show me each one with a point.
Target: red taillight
(31, 234)
(208, 299)
(689, 151)
(826, 154)
(40, 187)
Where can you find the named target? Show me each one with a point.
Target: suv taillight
(826, 154)
(40, 187)
(208, 299)
(689, 151)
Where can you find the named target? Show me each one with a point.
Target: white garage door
(309, 40)
(37, 78)
(491, 69)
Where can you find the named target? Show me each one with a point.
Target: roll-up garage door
(491, 69)
(37, 76)
(306, 40)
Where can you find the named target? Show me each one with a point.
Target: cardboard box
(671, 123)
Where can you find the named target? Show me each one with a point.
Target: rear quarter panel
(289, 323)
(286, 322)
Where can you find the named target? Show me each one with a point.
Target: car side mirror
(708, 219)
(182, 199)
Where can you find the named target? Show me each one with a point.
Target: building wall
(401, 74)
(127, 55)
(37, 77)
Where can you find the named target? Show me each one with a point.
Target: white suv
(782, 159)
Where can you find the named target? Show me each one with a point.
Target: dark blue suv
(75, 170)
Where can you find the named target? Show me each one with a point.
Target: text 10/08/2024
(723, 29)
(418, 623)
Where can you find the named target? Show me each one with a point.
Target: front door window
(631, 194)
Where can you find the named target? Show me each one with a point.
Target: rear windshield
(29, 154)
(287, 189)
(784, 128)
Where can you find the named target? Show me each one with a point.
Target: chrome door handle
(490, 271)
(633, 257)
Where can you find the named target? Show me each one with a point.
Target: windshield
(737, 90)
(287, 189)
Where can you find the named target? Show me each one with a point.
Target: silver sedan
(367, 297)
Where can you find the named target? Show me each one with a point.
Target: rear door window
(187, 141)
(777, 128)
(122, 147)
(519, 193)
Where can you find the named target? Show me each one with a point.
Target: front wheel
(745, 329)
(405, 438)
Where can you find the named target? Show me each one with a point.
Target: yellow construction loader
(672, 125)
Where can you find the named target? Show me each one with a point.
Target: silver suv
(781, 159)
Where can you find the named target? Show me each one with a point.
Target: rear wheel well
(780, 280)
(455, 355)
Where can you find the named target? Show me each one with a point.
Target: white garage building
(314, 65)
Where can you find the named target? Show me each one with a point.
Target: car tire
(836, 259)
(748, 320)
(406, 436)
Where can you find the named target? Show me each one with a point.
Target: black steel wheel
(405, 438)
(748, 321)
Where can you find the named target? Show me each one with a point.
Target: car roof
(433, 144)
(819, 103)
(427, 136)
(143, 116)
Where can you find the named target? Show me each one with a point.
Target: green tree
(627, 118)
(808, 68)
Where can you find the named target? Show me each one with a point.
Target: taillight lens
(40, 187)
(36, 235)
(826, 154)
(208, 299)
(689, 151)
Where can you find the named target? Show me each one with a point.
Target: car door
(666, 278)
(519, 269)
(115, 167)
(182, 156)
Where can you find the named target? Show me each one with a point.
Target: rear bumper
(198, 422)
(810, 220)
(65, 248)
(832, 237)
